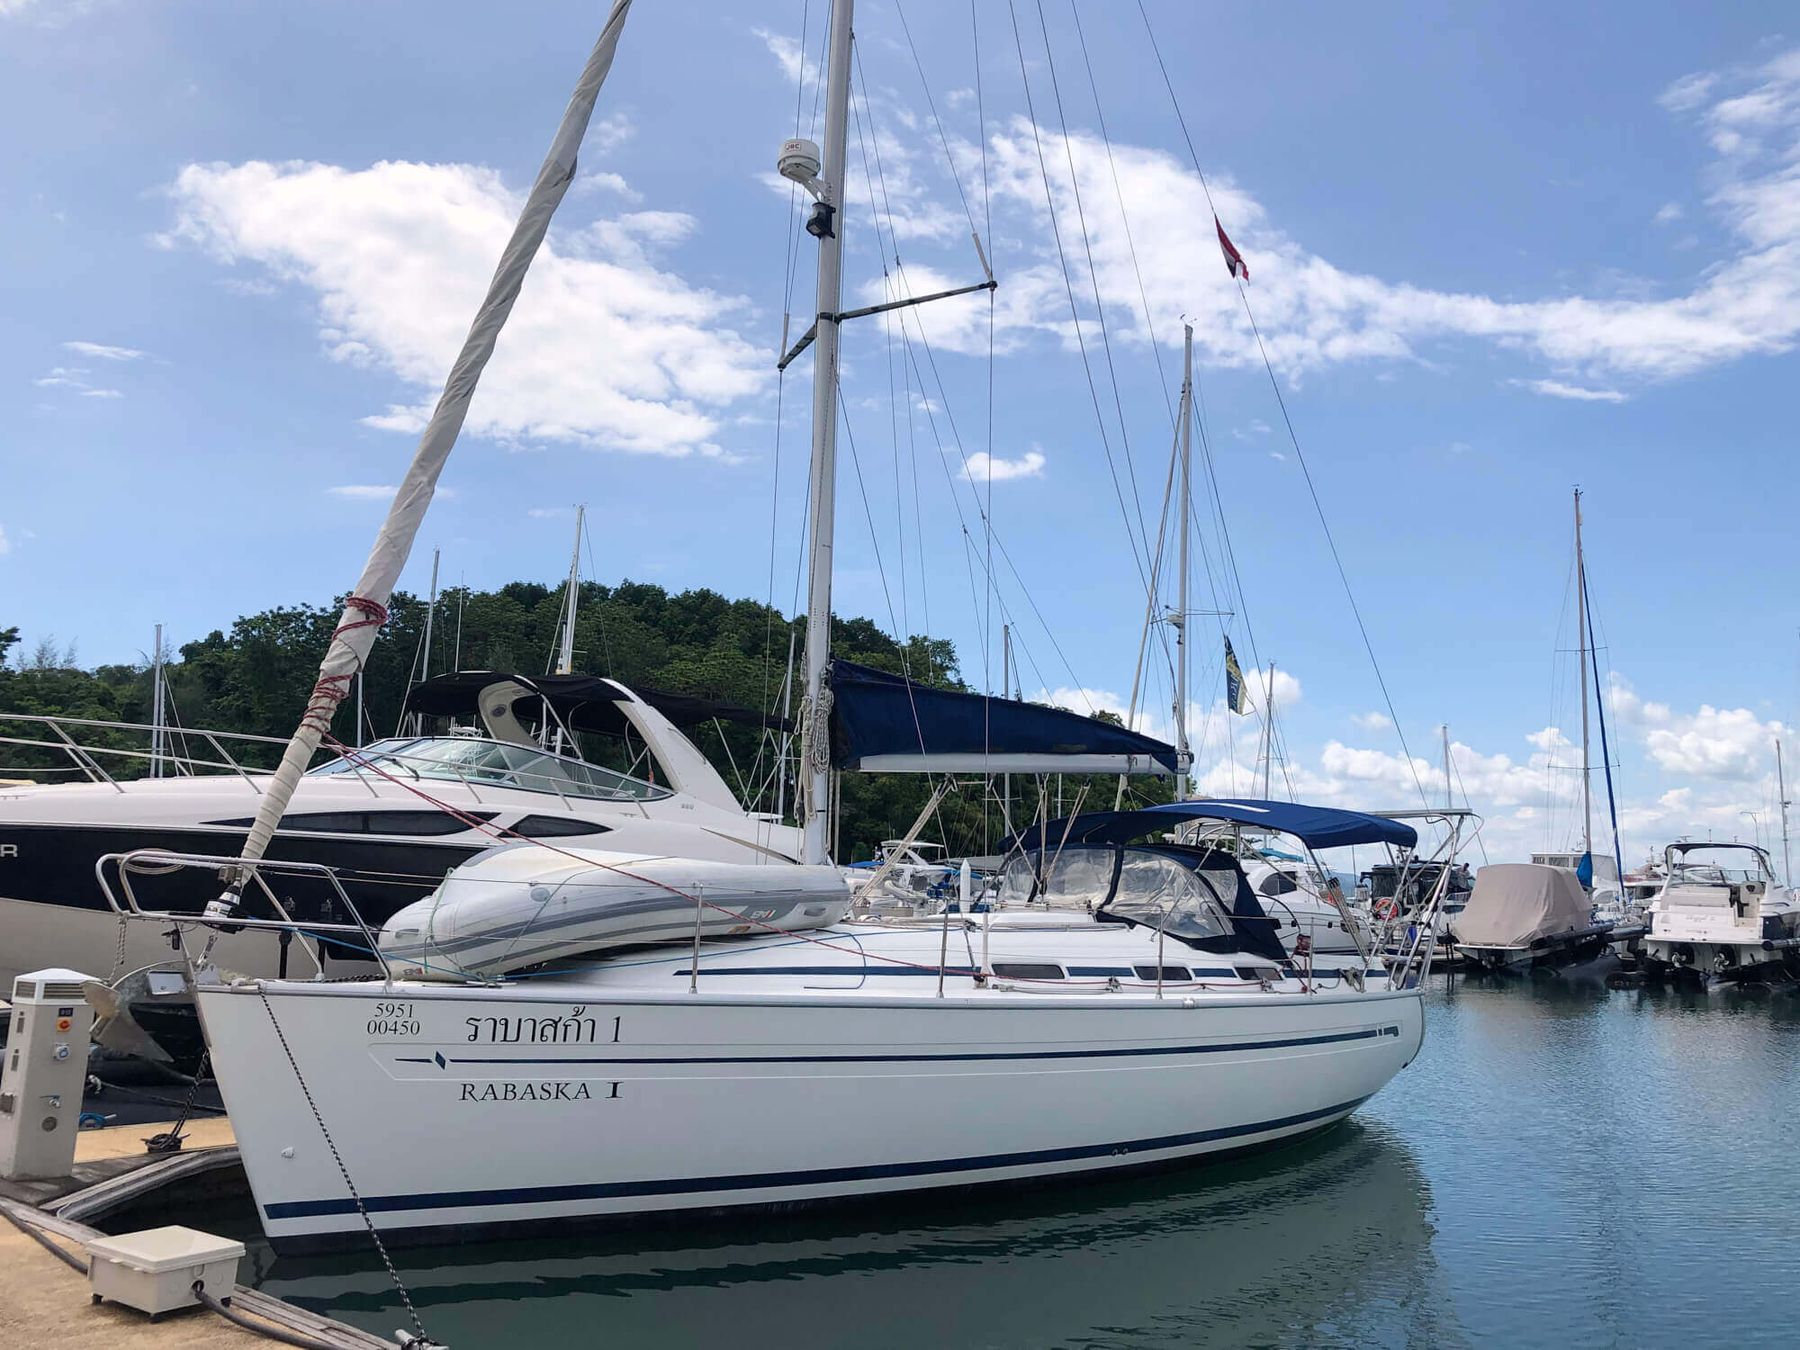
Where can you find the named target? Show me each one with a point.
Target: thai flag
(1234, 261)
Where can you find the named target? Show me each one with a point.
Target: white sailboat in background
(1561, 908)
(1147, 1017)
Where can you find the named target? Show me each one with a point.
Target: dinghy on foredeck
(522, 905)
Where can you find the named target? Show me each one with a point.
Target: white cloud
(1372, 721)
(101, 352)
(364, 492)
(73, 378)
(1722, 743)
(606, 347)
(549, 512)
(1315, 313)
(1667, 212)
(983, 466)
(1687, 93)
(1557, 389)
(787, 53)
(608, 132)
(5, 543)
(606, 181)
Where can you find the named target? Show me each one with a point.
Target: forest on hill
(254, 678)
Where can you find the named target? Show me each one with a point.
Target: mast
(827, 226)
(1587, 782)
(157, 706)
(1268, 730)
(1182, 758)
(1449, 792)
(430, 615)
(565, 656)
(1005, 693)
(365, 610)
(1787, 861)
(787, 711)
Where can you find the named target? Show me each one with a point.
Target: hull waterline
(453, 1109)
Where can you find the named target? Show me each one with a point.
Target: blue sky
(1494, 256)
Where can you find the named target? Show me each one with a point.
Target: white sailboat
(1152, 1023)
(1561, 908)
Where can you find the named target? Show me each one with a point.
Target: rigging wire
(1288, 422)
(1087, 247)
(1069, 289)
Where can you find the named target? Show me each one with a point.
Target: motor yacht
(389, 819)
(1719, 918)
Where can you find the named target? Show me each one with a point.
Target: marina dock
(45, 1301)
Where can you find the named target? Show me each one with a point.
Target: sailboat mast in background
(565, 652)
(1183, 759)
(1587, 780)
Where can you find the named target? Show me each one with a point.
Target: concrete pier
(46, 1305)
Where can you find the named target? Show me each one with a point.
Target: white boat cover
(521, 905)
(1516, 903)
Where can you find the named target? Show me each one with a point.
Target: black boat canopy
(883, 723)
(1315, 826)
(583, 702)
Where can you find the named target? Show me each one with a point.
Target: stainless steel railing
(125, 903)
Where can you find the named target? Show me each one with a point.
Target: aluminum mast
(1587, 774)
(1182, 758)
(1787, 861)
(827, 226)
(565, 654)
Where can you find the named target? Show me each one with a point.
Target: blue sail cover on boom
(883, 723)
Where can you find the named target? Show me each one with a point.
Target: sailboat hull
(454, 1109)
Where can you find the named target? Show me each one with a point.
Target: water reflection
(1563, 1164)
(1325, 1242)
(1609, 1165)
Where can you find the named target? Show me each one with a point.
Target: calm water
(1562, 1165)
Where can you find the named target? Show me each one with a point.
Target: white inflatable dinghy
(521, 905)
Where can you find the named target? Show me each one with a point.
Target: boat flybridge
(1129, 1001)
(389, 819)
(1720, 918)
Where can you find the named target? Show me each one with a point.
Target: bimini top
(583, 702)
(884, 723)
(1315, 826)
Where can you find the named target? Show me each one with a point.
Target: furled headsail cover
(884, 723)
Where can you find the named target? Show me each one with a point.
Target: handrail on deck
(154, 860)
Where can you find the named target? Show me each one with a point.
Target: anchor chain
(421, 1340)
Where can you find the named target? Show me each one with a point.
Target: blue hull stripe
(609, 1190)
(972, 1056)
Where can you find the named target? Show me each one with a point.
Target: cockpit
(1195, 895)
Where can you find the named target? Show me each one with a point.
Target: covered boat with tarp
(1526, 914)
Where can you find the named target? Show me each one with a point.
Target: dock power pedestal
(44, 1075)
